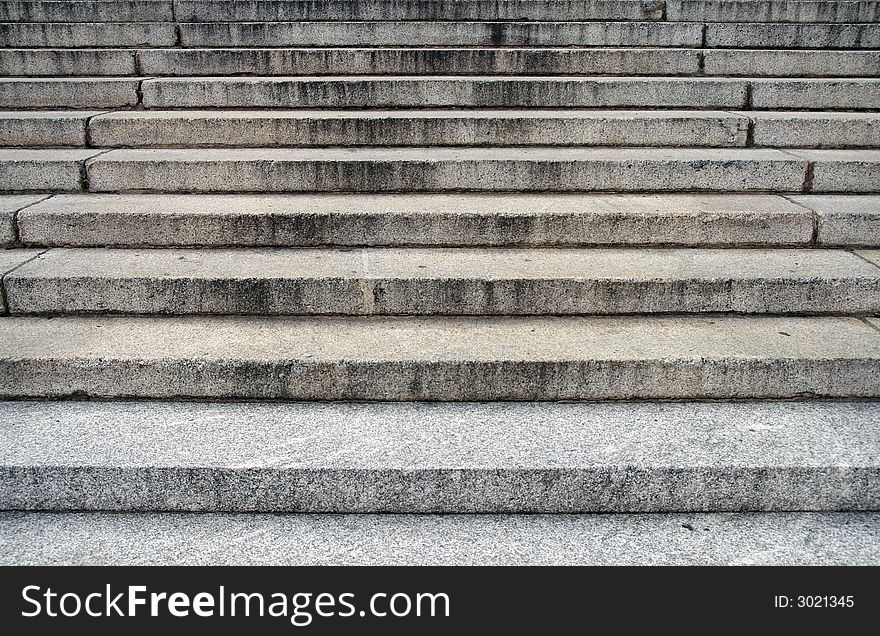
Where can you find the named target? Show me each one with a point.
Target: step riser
(378, 296)
(98, 34)
(390, 129)
(772, 11)
(235, 11)
(97, 11)
(520, 62)
(624, 489)
(794, 36)
(269, 34)
(307, 220)
(73, 93)
(559, 93)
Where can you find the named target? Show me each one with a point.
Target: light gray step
(815, 129)
(440, 458)
(67, 62)
(10, 206)
(86, 11)
(457, 281)
(490, 10)
(773, 10)
(785, 538)
(774, 63)
(50, 170)
(68, 92)
(432, 33)
(549, 92)
(11, 258)
(87, 34)
(472, 169)
(191, 129)
(844, 220)
(439, 358)
(817, 94)
(44, 128)
(791, 36)
(843, 170)
(427, 61)
(446, 220)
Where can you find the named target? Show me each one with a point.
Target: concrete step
(433, 33)
(86, 11)
(439, 358)
(775, 63)
(30, 129)
(818, 94)
(10, 206)
(440, 458)
(67, 62)
(532, 10)
(783, 538)
(508, 92)
(844, 220)
(29, 170)
(87, 34)
(299, 128)
(456, 281)
(750, 35)
(450, 61)
(447, 220)
(773, 10)
(472, 169)
(815, 129)
(68, 92)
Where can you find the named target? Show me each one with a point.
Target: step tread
(440, 458)
(262, 539)
(443, 281)
(439, 358)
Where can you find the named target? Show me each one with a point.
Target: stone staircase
(440, 256)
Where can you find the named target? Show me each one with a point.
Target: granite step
(783, 538)
(435, 33)
(440, 358)
(466, 169)
(87, 34)
(82, 92)
(309, 220)
(440, 458)
(458, 281)
(304, 128)
(806, 11)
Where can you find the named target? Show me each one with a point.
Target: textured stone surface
(85, 34)
(843, 170)
(791, 63)
(439, 358)
(816, 94)
(44, 128)
(433, 33)
(795, 36)
(425, 61)
(870, 255)
(773, 10)
(448, 458)
(444, 281)
(845, 220)
(426, 92)
(85, 10)
(9, 206)
(260, 539)
(568, 127)
(9, 260)
(68, 93)
(416, 219)
(442, 169)
(59, 62)
(535, 10)
(60, 170)
(815, 130)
